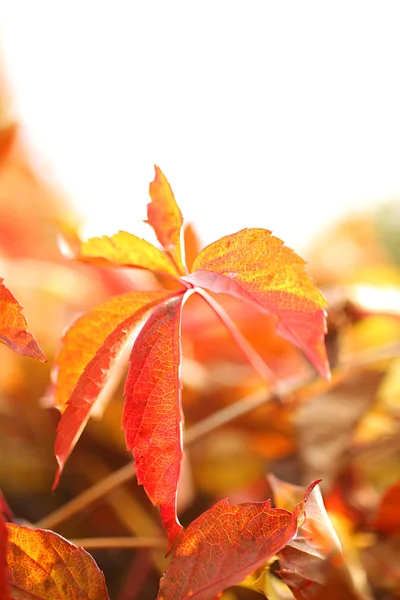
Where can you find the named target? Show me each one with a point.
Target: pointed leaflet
(13, 326)
(98, 370)
(45, 565)
(152, 413)
(87, 334)
(305, 560)
(164, 216)
(126, 250)
(4, 591)
(255, 266)
(224, 545)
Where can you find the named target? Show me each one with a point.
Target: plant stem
(301, 390)
(119, 542)
(258, 363)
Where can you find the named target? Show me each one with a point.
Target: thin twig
(96, 491)
(96, 543)
(303, 389)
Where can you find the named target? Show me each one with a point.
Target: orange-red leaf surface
(4, 591)
(222, 546)
(126, 250)
(152, 416)
(165, 217)
(255, 266)
(46, 566)
(87, 334)
(13, 326)
(316, 545)
(98, 367)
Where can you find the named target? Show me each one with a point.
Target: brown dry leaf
(325, 426)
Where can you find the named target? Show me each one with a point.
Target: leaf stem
(258, 363)
(96, 543)
(301, 390)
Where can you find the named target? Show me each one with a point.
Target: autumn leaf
(4, 590)
(305, 560)
(165, 218)
(92, 346)
(46, 566)
(13, 326)
(251, 265)
(152, 416)
(226, 543)
(255, 266)
(126, 250)
(88, 333)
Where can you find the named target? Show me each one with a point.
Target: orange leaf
(98, 371)
(255, 266)
(126, 250)
(45, 565)
(316, 545)
(152, 416)
(13, 326)
(88, 333)
(164, 216)
(222, 546)
(4, 590)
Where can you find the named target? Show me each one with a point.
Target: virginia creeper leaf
(47, 566)
(87, 334)
(98, 370)
(152, 416)
(165, 217)
(13, 326)
(304, 560)
(126, 250)
(226, 543)
(255, 266)
(4, 590)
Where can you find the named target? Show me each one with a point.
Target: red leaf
(164, 216)
(222, 546)
(88, 333)
(126, 250)
(152, 416)
(45, 565)
(13, 326)
(255, 266)
(305, 561)
(97, 372)
(4, 590)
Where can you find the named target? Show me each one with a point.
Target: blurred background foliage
(345, 432)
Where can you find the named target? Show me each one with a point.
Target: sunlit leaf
(255, 266)
(165, 217)
(126, 250)
(222, 546)
(49, 567)
(152, 416)
(303, 561)
(13, 326)
(192, 244)
(87, 334)
(98, 371)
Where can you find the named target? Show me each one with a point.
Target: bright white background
(271, 114)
